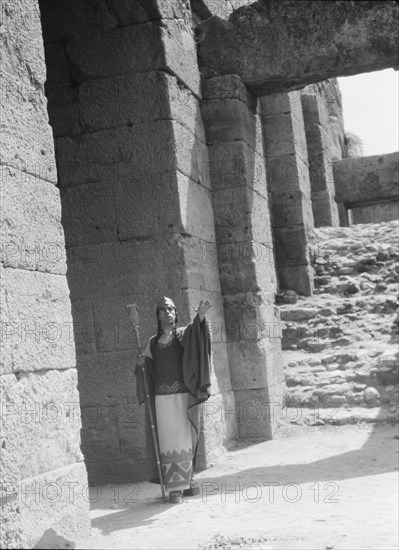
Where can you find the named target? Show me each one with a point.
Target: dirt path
(311, 487)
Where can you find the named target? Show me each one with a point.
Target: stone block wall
(245, 251)
(322, 114)
(43, 476)
(376, 213)
(288, 182)
(123, 89)
(364, 185)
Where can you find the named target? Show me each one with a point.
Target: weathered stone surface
(315, 111)
(298, 277)
(228, 120)
(317, 138)
(207, 8)
(51, 508)
(191, 154)
(102, 425)
(89, 213)
(255, 413)
(186, 208)
(284, 134)
(291, 207)
(248, 364)
(241, 214)
(63, 109)
(40, 413)
(322, 103)
(114, 329)
(363, 372)
(250, 322)
(156, 47)
(105, 54)
(102, 268)
(220, 381)
(279, 102)
(343, 39)
(228, 87)
(245, 266)
(58, 73)
(376, 213)
(131, 12)
(201, 261)
(138, 98)
(109, 312)
(37, 323)
(321, 172)
(180, 49)
(359, 180)
(291, 245)
(75, 20)
(298, 314)
(22, 45)
(189, 298)
(236, 164)
(40, 417)
(158, 147)
(219, 421)
(242, 222)
(288, 172)
(26, 139)
(108, 379)
(31, 232)
(325, 209)
(70, 20)
(85, 331)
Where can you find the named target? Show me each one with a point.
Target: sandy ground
(321, 487)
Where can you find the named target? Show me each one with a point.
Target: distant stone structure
(150, 147)
(367, 188)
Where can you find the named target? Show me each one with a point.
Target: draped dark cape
(196, 342)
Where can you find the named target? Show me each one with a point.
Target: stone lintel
(342, 39)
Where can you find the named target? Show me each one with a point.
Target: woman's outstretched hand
(202, 309)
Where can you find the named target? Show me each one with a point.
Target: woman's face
(167, 315)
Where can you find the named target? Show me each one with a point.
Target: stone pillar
(245, 251)
(43, 477)
(289, 186)
(343, 215)
(316, 119)
(137, 209)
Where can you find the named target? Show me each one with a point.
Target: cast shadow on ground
(378, 455)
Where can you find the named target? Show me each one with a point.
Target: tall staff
(134, 319)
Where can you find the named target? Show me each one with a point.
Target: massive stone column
(44, 492)
(124, 95)
(289, 186)
(320, 155)
(245, 250)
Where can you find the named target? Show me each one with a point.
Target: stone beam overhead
(285, 44)
(367, 180)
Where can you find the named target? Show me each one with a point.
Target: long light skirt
(175, 439)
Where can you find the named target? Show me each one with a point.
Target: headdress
(165, 302)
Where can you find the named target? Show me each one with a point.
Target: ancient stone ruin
(154, 147)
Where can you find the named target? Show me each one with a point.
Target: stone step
(342, 393)
(318, 416)
(344, 377)
(341, 344)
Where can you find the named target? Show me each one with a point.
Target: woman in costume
(177, 365)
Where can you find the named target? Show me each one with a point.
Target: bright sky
(370, 106)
